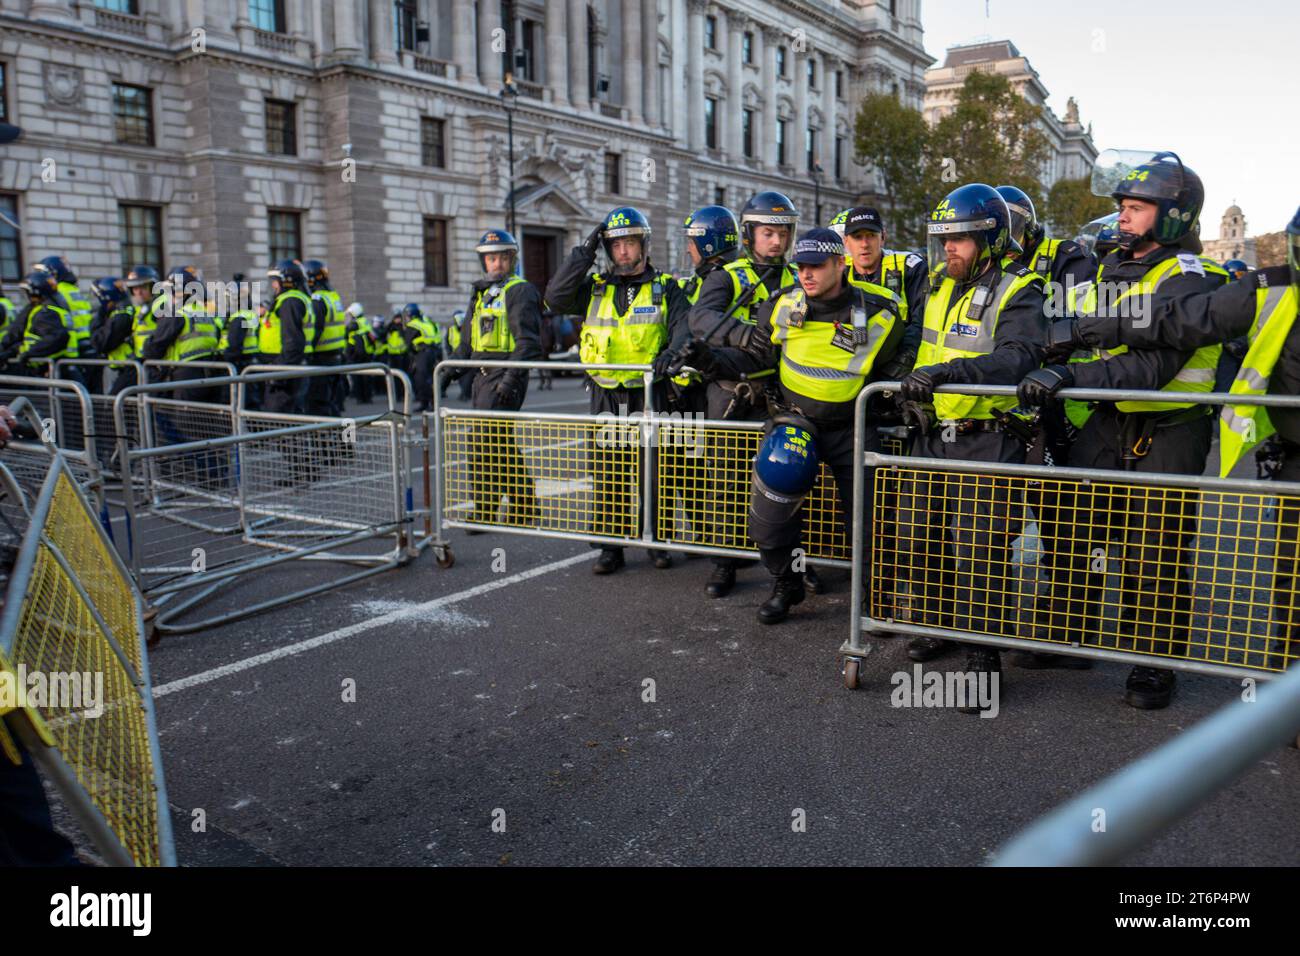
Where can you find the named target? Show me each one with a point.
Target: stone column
(735, 82)
(829, 65)
(557, 52)
(677, 119)
(345, 30)
(650, 60)
(489, 62)
(695, 77)
(383, 45)
(800, 158)
(631, 45)
(771, 40)
(462, 40)
(579, 93)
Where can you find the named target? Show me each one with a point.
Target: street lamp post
(817, 191)
(509, 100)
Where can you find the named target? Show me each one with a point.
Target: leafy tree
(1071, 205)
(892, 138)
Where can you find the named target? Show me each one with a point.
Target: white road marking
(351, 630)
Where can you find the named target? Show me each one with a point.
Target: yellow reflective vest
(31, 337)
(952, 332)
(82, 315)
(333, 335)
(489, 329)
(144, 324)
(248, 319)
(270, 339)
(812, 364)
(198, 338)
(633, 338)
(1196, 376)
(1242, 427)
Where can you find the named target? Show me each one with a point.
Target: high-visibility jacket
(690, 287)
(333, 334)
(7, 314)
(82, 315)
(489, 328)
(144, 324)
(950, 332)
(270, 339)
(427, 334)
(359, 334)
(744, 277)
(248, 319)
(198, 338)
(1196, 376)
(811, 364)
(633, 338)
(124, 350)
(453, 336)
(379, 338)
(893, 273)
(31, 337)
(1242, 427)
(396, 342)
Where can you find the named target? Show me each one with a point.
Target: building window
(527, 67)
(268, 15)
(11, 247)
(719, 195)
(281, 128)
(405, 18)
(139, 233)
(747, 133)
(810, 142)
(839, 157)
(4, 92)
(593, 38)
(710, 33)
(613, 173)
(119, 6)
(747, 47)
(285, 227)
(133, 114)
(780, 61)
(433, 142)
(711, 123)
(780, 141)
(839, 84)
(435, 252)
(812, 73)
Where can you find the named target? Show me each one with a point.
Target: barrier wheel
(852, 667)
(444, 558)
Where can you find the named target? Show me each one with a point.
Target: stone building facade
(1071, 150)
(1233, 243)
(373, 134)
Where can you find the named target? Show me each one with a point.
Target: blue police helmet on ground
(713, 231)
(787, 462)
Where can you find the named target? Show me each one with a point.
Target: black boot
(722, 580)
(1039, 661)
(983, 660)
(927, 648)
(812, 583)
(786, 593)
(1149, 688)
(610, 560)
(662, 559)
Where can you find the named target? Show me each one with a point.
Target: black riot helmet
(1177, 193)
(1025, 227)
(769, 208)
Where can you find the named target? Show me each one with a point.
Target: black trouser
(281, 398)
(322, 397)
(497, 468)
(422, 364)
(778, 528)
(124, 379)
(1154, 528)
(27, 835)
(1045, 500)
(727, 470)
(612, 454)
(955, 534)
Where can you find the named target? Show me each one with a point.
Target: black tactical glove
(592, 242)
(663, 364)
(696, 353)
(916, 415)
(507, 394)
(1041, 385)
(1063, 340)
(898, 366)
(920, 384)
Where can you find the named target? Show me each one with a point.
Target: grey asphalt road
(502, 716)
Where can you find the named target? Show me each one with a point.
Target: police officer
(455, 332)
(1158, 203)
(238, 342)
(635, 315)
(728, 301)
(185, 333)
(111, 332)
(397, 349)
(48, 332)
(8, 312)
(902, 273)
(329, 338)
(827, 339)
(360, 350)
(1061, 263)
(1263, 308)
(712, 242)
(83, 313)
(144, 285)
(505, 314)
(984, 324)
(424, 340)
(282, 338)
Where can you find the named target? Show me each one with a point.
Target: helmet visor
(1114, 165)
(940, 232)
(1019, 221)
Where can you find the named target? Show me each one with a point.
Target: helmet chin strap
(1128, 241)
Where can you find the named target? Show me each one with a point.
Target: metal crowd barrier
(72, 615)
(1154, 792)
(102, 408)
(66, 420)
(1186, 572)
(584, 477)
(203, 510)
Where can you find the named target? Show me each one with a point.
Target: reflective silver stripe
(1240, 424)
(614, 382)
(1271, 301)
(930, 335)
(875, 332)
(1253, 378)
(1195, 375)
(824, 373)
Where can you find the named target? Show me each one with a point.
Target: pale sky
(1214, 81)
